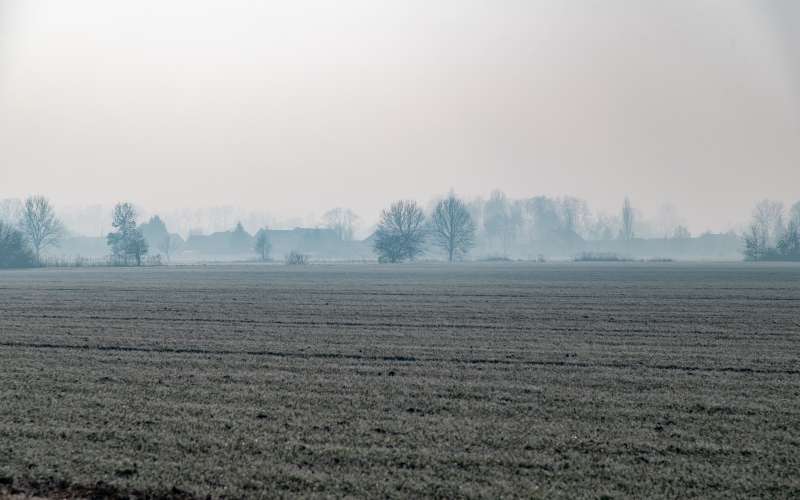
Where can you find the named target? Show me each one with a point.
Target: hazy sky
(298, 106)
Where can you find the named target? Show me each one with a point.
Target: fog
(289, 109)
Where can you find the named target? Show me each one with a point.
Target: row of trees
(770, 236)
(28, 228)
(38, 228)
(503, 223)
(499, 222)
(404, 229)
(404, 232)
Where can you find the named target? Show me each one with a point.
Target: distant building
(317, 243)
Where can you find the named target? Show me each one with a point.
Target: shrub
(496, 258)
(600, 257)
(296, 259)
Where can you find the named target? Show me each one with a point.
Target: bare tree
(768, 219)
(768, 238)
(263, 245)
(789, 246)
(342, 221)
(755, 243)
(766, 232)
(452, 227)
(401, 232)
(498, 220)
(126, 241)
(39, 224)
(543, 217)
(574, 215)
(626, 233)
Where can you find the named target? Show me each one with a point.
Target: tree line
(405, 230)
(37, 228)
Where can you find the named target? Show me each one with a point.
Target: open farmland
(472, 380)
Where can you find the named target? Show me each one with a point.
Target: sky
(296, 107)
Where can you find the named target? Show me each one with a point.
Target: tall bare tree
(497, 219)
(452, 227)
(768, 238)
(39, 224)
(755, 242)
(768, 219)
(789, 245)
(401, 232)
(342, 221)
(626, 233)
